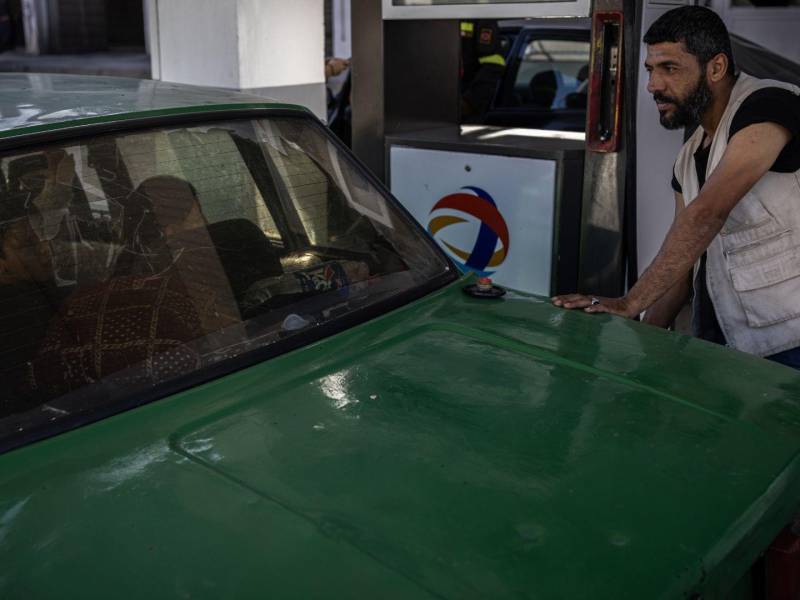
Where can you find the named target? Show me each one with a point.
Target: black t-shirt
(704, 318)
(773, 105)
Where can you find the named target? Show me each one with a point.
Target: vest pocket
(769, 290)
(756, 243)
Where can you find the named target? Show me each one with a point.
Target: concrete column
(272, 48)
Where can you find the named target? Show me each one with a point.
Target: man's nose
(654, 83)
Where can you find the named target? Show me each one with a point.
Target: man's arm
(664, 311)
(749, 155)
(336, 66)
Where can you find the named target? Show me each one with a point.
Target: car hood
(454, 448)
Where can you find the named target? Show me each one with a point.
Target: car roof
(31, 102)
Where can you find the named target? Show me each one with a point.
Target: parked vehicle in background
(545, 85)
(232, 363)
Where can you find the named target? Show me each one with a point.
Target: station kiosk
(506, 202)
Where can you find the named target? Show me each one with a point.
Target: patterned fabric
(137, 328)
(191, 258)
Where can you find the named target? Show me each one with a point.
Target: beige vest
(753, 268)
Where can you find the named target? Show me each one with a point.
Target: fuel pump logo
(478, 204)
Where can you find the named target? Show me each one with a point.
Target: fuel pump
(523, 206)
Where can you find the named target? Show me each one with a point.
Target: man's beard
(689, 111)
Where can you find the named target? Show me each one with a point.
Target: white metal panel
(774, 27)
(522, 190)
(657, 149)
(481, 9)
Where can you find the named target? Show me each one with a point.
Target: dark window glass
(552, 75)
(133, 260)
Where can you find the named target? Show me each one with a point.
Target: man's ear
(717, 68)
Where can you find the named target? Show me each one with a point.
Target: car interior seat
(543, 87)
(579, 98)
(245, 252)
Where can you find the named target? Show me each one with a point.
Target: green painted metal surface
(455, 448)
(34, 102)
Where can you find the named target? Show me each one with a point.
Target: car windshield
(552, 74)
(135, 260)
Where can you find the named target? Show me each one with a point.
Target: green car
(234, 367)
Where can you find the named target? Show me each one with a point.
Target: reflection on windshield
(130, 260)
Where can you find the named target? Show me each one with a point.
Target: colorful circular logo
(478, 204)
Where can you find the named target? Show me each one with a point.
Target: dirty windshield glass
(136, 259)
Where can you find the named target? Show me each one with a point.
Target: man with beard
(736, 233)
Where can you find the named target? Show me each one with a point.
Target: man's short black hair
(700, 30)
